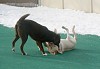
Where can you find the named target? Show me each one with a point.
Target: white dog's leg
(68, 35)
(67, 32)
(75, 37)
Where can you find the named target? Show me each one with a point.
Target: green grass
(86, 54)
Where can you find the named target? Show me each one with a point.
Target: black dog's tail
(23, 18)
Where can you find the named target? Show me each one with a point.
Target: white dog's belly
(67, 45)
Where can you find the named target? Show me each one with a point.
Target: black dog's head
(57, 40)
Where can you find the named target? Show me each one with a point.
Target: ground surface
(85, 56)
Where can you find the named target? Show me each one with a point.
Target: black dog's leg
(14, 41)
(41, 47)
(24, 39)
(44, 43)
(16, 38)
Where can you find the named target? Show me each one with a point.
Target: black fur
(39, 33)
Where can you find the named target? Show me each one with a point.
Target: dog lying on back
(64, 45)
(37, 32)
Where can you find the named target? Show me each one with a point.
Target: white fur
(45, 54)
(53, 49)
(65, 44)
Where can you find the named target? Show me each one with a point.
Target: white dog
(65, 44)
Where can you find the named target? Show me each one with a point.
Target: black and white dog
(65, 44)
(37, 32)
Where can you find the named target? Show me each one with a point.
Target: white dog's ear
(55, 30)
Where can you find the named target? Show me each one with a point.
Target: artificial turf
(86, 54)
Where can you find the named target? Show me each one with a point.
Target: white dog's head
(53, 49)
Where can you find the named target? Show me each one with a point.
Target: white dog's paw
(13, 49)
(45, 54)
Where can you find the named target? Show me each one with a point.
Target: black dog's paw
(13, 49)
(24, 53)
(45, 54)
